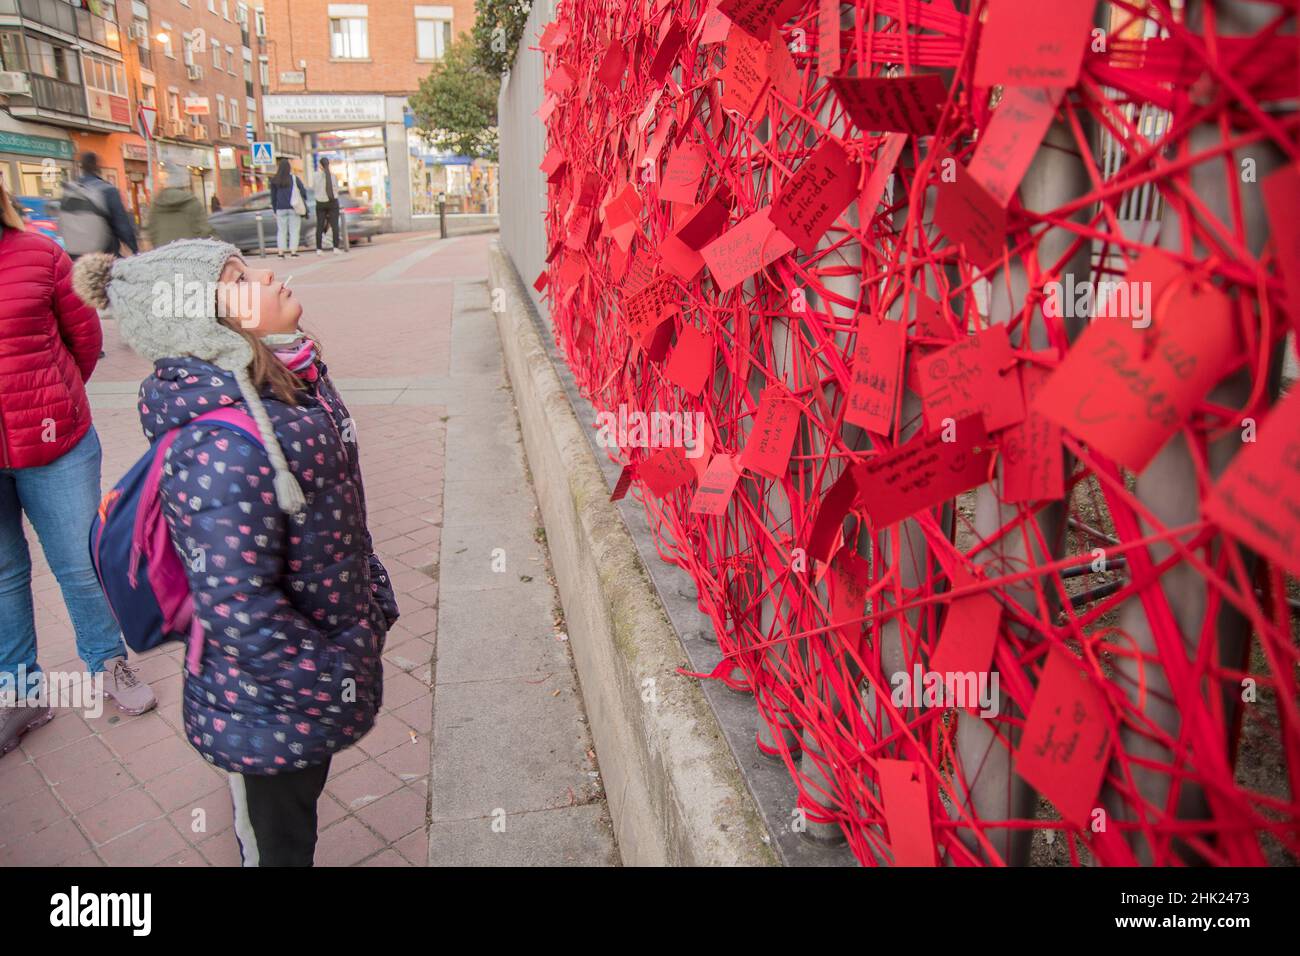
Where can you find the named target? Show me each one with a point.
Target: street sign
(263, 155)
(147, 121)
(293, 77)
(248, 131)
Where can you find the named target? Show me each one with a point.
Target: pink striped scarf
(300, 358)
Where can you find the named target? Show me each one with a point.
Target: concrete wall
(675, 793)
(523, 144)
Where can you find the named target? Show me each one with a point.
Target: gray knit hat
(150, 296)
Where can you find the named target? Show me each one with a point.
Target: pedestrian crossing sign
(263, 154)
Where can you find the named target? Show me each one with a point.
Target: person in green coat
(177, 212)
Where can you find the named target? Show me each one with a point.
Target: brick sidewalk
(120, 790)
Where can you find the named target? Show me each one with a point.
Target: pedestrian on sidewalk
(92, 216)
(176, 212)
(289, 200)
(291, 599)
(327, 208)
(49, 471)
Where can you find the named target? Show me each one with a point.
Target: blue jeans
(288, 227)
(60, 500)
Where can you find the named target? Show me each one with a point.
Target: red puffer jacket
(49, 344)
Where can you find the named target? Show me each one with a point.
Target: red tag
(930, 322)
(1126, 390)
(639, 275)
(744, 75)
(665, 471)
(877, 364)
(706, 221)
(716, 27)
(1007, 146)
(781, 67)
(647, 309)
(542, 279)
(624, 207)
(970, 632)
(691, 361)
(1033, 458)
(830, 515)
(849, 580)
(571, 270)
(682, 177)
(560, 81)
(623, 484)
(612, 66)
(680, 259)
(1065, 745)
(767, 451)
(925, 472)
(716, 486)
(902, 104)
(1282, 198)
(1257, 499)
(968, 214)
(757, 17)
(553, 35)
(974, 376)
(828, 37)
(815, 195)
(891, 147)
(1033, 44)
(744, 249)
(907, 811)
(669, 47)
(552, 161)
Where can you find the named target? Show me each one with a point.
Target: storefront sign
(323, 109)
(138, 153)
(197, 106)
(293, 77)
(26, 145)
(185, 155)
(107, 107)
(226, 157)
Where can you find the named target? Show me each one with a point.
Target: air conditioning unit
(138, 30)
(194, 71)
(176, 128)
(15, 84)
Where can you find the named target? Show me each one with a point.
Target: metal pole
(261, 235)
(343, 228)
(442, 218)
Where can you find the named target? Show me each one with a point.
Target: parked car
(42, 215)
(237, 224)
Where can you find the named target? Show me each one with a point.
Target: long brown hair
(9, 216)
(267, 372)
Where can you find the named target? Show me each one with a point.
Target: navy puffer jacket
(294, 608)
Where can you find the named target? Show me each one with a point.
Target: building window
(174, 109)
(221, 115)
(56, 62)
(12, 59)
(349, 39)
(432, 32)
(216, 56)
(259, 18)
(230, 60)
(212, 6)
(225, 10)
(148, 95)
(168, 50)
(264, 72)
(107, 76)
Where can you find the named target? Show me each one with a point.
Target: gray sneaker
(132, 695)
(16, 721)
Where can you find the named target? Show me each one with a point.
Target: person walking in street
(327, 208)
(176, 212)
(49, 471)
(289, 200)
(292, 602)
(92, 217)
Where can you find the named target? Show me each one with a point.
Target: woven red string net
(1135, 640)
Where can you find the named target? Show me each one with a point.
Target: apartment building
(65, 88)
(340, 75)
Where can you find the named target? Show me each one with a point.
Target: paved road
(481, 754)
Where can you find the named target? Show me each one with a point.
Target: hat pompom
(90, 278)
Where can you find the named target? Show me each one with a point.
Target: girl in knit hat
(292, 600)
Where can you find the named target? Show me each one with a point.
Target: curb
(675, 792)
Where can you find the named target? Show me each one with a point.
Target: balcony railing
(63, 97)
(62, 16)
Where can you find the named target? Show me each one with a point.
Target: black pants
(275, 817)
(327, 213)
